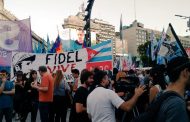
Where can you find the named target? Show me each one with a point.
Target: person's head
(58, 78)
(178, 70)
(33, 75)
(20, 76)
(86, 77)
(75, 73)
(115, 71)
(131, 72)
(3, 73)
(103, 79)
(42, 70)
(157, 75)
(80, 36)
(120, 75)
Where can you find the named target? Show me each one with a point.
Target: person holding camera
(6, 97)
(101, 102)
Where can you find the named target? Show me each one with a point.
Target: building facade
(119, 47)
(103, 29)
(136, 34)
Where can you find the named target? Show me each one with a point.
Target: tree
(145, 58)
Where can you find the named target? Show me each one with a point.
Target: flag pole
(121, 37)
(57, 30)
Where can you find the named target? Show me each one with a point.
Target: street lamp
(188, 22)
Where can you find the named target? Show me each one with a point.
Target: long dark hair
(31, 79)
(158, 75)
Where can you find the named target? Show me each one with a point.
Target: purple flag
(14, 36)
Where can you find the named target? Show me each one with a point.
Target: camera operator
(126, 86)
(101, 101)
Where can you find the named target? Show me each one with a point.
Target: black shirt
(80, 97)
(31, 93)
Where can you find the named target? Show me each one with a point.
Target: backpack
(151, 113)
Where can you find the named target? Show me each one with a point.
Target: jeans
(8, 114)
(44, 108)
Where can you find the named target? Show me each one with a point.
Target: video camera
(127, 85)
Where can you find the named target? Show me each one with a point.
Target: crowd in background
(97, 96)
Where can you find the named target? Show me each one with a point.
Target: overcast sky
(46, 15)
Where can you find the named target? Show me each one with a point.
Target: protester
(45, 93)
(173, 109)
(78, 110)
(31, 98)
(119, 86)
(101, 101)
(61, 88)
(76, 82)
(115, 71)
(94, 84)
(19, 94)
(6, 97)
(158, 81)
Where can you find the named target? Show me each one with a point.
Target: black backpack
(151, 113)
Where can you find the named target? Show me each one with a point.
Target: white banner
(64, 61)
(99, 56)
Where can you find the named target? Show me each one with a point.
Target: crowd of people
(97, 96)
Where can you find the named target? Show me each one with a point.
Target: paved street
(38, 118)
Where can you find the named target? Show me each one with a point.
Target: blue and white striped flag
(104, 52)
(100, 56)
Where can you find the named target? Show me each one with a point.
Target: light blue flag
(161, 60)
(39, 48)
(171, 47)
(43, 46)
(35, 49)
(48, 44)
(154, 44)
(160, 42)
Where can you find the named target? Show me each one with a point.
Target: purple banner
(14, 36)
